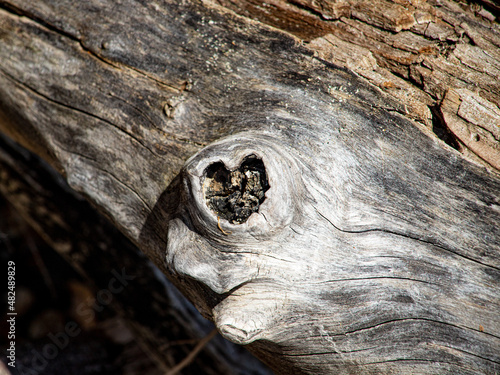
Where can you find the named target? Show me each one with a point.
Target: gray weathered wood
(151, 307)
(376, 249)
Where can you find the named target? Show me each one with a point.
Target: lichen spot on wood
(235, 195)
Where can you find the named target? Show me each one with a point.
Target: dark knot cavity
(235, 195)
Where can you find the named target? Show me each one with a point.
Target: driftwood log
(322, 221)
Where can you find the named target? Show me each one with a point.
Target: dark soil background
(48, 290)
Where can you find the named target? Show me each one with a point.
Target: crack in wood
(410, 319)
(125, 185)
(350, 151)
(20, 13)
(153, 124)
(9, 8)
(377, 278)
(67, 106)
(408, 237)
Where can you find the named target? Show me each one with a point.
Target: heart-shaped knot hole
(235, 195)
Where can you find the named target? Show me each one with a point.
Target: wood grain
(376, 248)
(413, 51)
(158, 319)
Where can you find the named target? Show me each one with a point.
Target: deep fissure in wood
(235, 195)
(440, 128)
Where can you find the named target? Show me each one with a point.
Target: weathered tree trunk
(321, 221)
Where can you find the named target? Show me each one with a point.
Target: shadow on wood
(375, 248)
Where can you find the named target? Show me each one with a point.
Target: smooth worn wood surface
(376, 247)
(122, 280)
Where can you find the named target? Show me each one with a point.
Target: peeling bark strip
(412, 50)
(364, 244)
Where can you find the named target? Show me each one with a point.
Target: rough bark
(375, 248)
(429, 55)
